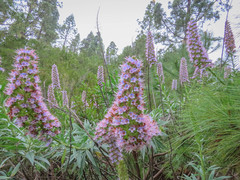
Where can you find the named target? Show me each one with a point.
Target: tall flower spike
(84, 99)
(183, 71)
(51, 96)
(100, 76)
(229, 39)
(125, 123)
(55, 77)
(65, 98)
(25, 103)
(160, 72)
(198, 54)
(227, 72)
(174, 84)
(1, 69)
(150, 51)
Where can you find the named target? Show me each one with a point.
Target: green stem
(202, 162)
(215, 76)
(161, 98)
(233, 65)
(122, 171)
(104, 97)
(199, 143)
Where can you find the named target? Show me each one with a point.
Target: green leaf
(4, 177)
(30, 157)
(15, 170)
(2, 163)
(11, 139)
(38, 163)
(42, 159)
(10, 147)
(63, 156)
(222, 177)
(89, 155)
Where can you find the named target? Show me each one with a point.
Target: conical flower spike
(174, 84)
(197, 53)
(100, 76)
(160, 72)
(183, 71)
(229, 39)
(26, 102)
(65, 98)
(51, 96)
(55, 77)
(150, 51)
(125, 122)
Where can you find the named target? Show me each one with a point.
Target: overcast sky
(118, 18)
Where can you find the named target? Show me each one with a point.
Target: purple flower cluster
(174, 84)
(229, 39)
(1, 69)
(125, 126)
(183, 71)
(197, 52)
(51, 96)
(100, 76)
(160, 72)
(150, 51)
(55, 77)
(65, 98)
(25, 103)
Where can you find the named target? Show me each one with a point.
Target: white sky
(118, 19)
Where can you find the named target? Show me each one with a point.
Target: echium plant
(125, 126)
(174, 84)
(197, 53)
(229, 39)
(65, 98)
(150, 51)
(160, 72)
(55, 77)
(25, 103)
(183, 71)
(100, 76)
(51, 96)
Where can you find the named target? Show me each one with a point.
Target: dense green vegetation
(199, 121)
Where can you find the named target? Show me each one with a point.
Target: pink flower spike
(51, 96)
(125, 125)
(160, 72)
(65, 98)
(28, 98)
(100, 76)
(229, 39)
(183, 71)
(150, 51)
(55, 77)
(174, 84)
(197, 53)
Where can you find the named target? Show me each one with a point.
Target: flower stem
(122, 171)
